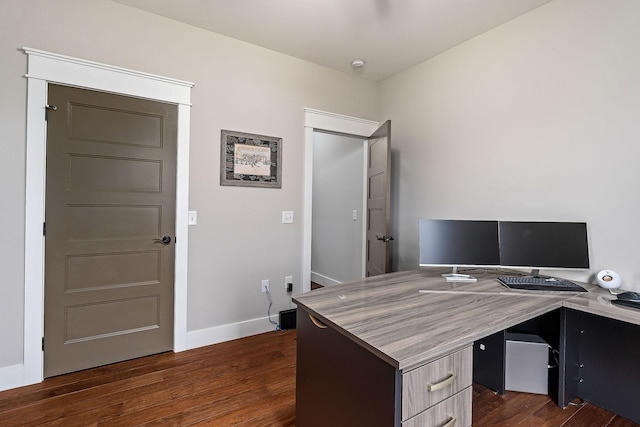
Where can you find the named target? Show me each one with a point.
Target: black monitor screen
(459, 243)
(544, 244)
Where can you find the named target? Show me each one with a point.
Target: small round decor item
(608, 279)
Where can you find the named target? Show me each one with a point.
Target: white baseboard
(323, 280)
(231, 331)
(12, 377)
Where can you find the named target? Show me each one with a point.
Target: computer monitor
(538, 245)
(458, 243)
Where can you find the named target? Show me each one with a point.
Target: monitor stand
(454, 276)
(536, 273)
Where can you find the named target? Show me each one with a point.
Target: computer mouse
(629, 296)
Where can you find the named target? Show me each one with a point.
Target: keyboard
(529, 283)
(625, 303)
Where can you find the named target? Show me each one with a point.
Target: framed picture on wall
(249, 160)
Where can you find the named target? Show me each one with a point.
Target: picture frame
(250, 160)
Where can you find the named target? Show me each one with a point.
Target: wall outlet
(264, 287)
(288, 280)
(287, 217)
(354, 215)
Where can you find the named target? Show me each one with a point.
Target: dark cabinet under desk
(489, 361)
(603, 362)
(340, 383)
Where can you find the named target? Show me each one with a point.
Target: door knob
(165, 240)
(385, 239)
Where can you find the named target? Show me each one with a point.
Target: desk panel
(603, 366)
(391, 318)
(398, 322)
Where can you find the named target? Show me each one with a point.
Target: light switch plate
(193, 217)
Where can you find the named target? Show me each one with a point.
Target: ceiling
(389, 35)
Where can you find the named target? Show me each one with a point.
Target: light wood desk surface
(389, 316)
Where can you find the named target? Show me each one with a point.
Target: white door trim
(45, 68)
(328, 122)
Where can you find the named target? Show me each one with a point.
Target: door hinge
(44, 228)
(42, 343)
(48, 108)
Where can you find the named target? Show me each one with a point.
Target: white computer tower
(527, 363)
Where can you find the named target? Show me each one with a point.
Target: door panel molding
(44, 68)
(378, 202)
(316, 120)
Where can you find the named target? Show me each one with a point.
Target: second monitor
(533, 245)
(539, 245)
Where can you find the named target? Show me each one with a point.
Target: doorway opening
(339, 201)
(320, 121)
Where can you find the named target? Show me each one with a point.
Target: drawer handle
(451, 422)
(442, 384)
(316, 322)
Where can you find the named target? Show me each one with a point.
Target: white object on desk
(608, 279)
(461, 279)
(457, 277)
(437, 291)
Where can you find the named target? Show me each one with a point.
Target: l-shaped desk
(402, 349)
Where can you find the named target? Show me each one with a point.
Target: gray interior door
(110, 221)
(378, 200)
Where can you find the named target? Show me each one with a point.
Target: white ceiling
(389, 35)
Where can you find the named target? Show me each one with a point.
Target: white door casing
(45, 68)
(328, 122)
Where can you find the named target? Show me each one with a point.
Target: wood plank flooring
(245, 382)
(315, 285)
(526, 409)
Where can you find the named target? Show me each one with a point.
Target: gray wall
(538, 119)
(474, 130)
(239, 239)
(336, 244)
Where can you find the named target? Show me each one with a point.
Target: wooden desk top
(390, 317)
(598, 302)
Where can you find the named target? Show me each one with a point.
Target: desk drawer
(429, 384)
(454, 411)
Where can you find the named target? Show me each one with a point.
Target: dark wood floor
(525, 409)
(246, 382)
